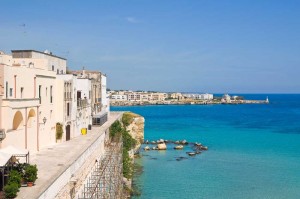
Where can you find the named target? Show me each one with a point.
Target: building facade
(28, 114)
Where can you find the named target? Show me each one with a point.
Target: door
(68, 132)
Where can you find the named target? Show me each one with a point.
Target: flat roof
(38, 52)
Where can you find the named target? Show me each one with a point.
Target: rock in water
(162, 146)
(147, 148)
(178, 147)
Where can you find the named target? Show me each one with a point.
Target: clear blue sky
(189, 45)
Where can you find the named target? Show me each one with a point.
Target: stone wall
(76, 174)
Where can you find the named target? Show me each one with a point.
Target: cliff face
(135, 127)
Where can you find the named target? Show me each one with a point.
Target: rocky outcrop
(162, 146)
(135, 126)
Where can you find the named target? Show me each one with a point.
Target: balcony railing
(82, 103)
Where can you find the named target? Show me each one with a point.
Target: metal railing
(82, 103)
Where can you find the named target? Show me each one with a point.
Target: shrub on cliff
(115, 129)
(128, 142)
(127, 118)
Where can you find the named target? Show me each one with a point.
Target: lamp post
(44, 120)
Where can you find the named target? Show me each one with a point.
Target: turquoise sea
(254, 150)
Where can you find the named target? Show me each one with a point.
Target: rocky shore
(161, 144)
(185, 102)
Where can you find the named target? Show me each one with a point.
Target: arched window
(18, 120)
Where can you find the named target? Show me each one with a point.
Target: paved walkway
(54, 160)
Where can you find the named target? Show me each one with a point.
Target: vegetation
(15, 178)
(13, 184)
(11, 190)
(117, 130)
(30, 174)
(59, 130)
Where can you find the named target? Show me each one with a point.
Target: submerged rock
(204, 147)
(178, 147)
(184, 142)
(191, 153)
(181, 158)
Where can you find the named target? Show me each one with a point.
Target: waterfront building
(177, 96)
(204, 96)
(117, 97)
(158, 96)
(226, 98)
(28, 113)
(133, 96)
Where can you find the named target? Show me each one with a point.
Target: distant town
(132, 98)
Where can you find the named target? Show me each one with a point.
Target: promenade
(54, 160)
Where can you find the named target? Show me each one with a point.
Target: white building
(204, 96)
(116, 97)
(84, 112)
(67, 105)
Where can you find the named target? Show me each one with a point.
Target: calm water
(254, 150)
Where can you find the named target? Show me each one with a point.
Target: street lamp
(44, 120)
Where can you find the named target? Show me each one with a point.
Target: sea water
(254, 150)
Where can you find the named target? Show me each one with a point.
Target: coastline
(195, 102)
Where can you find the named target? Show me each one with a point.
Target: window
(57, 71)
(22, 89)
(50, 94)
(40, 94)
(68, 109)
(10, 92)
(6, 90)
(52, 67)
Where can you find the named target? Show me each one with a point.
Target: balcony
(82, 103)
(21, 103)
(97, 100)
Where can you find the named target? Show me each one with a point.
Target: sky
(214, 46)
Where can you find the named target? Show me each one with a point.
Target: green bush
(11, 190)
(127, 165)
(59, 131)
(14, 177)
(118, 129)
(115, 129)
(127, 118)
(128, 142)
(30, 174)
